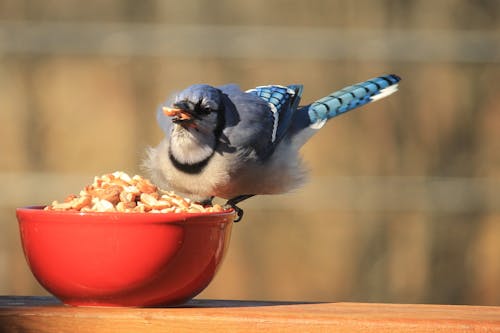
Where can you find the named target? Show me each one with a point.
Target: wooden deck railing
(45, 314)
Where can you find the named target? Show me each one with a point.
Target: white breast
(226, 176)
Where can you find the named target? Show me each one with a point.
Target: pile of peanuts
(118, 192)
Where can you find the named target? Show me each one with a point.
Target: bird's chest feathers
(192, 165)
(189, 149)
(198, 180)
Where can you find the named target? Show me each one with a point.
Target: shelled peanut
(118, 192)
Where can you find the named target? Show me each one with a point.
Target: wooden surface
(45, 314)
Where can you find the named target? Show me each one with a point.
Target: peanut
(118, 192)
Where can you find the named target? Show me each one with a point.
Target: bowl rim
(182, 217)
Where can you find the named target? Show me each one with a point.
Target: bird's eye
(205, 109)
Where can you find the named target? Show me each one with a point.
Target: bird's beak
(179, 114)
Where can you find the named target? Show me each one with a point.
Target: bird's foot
(239, 212)
(207, 202)
(232, 203)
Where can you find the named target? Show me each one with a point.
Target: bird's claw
(233, 201)
(238, 210)
(207, 201)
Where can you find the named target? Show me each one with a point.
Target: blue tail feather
(350, 98)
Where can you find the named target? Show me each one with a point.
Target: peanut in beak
(176, 112)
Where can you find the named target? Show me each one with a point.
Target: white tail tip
(385, 92)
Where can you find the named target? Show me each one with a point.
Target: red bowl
(124, 259)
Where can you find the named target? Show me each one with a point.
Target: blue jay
(233, 144)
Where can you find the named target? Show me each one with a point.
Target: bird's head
(198, 117)
(198, 108)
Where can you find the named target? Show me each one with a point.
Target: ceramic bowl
(124, 259)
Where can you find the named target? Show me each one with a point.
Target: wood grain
(45, 314)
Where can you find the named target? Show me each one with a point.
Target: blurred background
(403, 202)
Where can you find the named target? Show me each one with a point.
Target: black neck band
(191, 168)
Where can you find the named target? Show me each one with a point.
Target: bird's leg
(233, 201)
(207, 201)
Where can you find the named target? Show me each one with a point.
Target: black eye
(203, 109)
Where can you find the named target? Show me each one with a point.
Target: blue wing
(283, 101)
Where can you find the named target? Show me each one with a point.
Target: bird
(221, 141)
